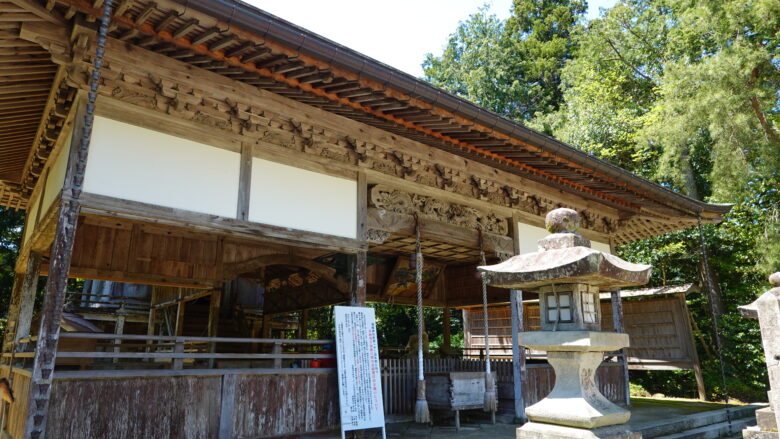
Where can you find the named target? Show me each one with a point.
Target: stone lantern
(767, 310)
(568, 275)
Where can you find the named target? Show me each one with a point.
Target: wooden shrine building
(242, 170)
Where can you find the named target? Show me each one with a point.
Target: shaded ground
(475, 424)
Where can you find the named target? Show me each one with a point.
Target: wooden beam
(144, 212)
(403, 225)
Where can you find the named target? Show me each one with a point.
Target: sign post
(359, 375)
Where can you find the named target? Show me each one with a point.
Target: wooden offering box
(456, 391)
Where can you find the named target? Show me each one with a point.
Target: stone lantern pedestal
(767, 310)
(568, 275)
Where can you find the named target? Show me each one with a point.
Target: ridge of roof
(249, 17)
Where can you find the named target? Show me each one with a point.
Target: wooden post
(216, 297)
(266, 325)
(694, 353)
(180, 309)
(446, 329)
(518, 352)
(358, 285)
(277, 349)
(150, 326)
(244, 181)
(20, 310)
(119, 329)
(68, 210)
(304, 324)
(178, 348)
(617, 323)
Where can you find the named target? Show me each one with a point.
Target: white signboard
(360, 379)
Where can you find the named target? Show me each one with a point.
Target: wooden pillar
(119, 329)
(617, 323)
(266, 325)
(68, 209)
(518, 352)
(358, 269)
(244, 181)
(304, 324)
(702, 391)
(446, 329)
(20, 310)
(214, 302)
(181, 308)
(358, 285)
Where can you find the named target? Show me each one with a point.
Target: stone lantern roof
(565, 257)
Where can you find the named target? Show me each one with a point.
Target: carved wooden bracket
(395, 200)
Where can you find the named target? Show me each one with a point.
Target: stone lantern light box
(568, 276)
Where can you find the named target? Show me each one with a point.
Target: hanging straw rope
(491, 402)
(421, 412)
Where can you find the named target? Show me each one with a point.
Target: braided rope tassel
(491, 401)
(421, 412)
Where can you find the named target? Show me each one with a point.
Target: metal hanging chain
(715, 324)
(419, 281)
(484, 304)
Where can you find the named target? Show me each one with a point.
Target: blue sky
(398, 33)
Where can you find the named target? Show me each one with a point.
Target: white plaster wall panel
(600, 246)
(56, 177)
(286, 196)
(528, 236)
(29, 219)
(139, 164)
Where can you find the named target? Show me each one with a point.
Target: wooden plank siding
(278, 405)
(16, 414)
(173, 407)
(234, 404)
(189, 406)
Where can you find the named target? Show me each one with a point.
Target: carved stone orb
(562, 220)
(774, 279)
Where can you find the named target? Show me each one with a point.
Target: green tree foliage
(683, 92)
(11, 222)
(512, 68)
(540, 33)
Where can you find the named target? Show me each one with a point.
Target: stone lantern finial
(562, 220)
(774, 279)
(563, 224)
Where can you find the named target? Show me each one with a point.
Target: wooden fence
(399, 381)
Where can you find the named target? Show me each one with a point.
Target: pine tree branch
(624, 61)
(770, 131)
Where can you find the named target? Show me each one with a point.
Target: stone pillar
(767, 310)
